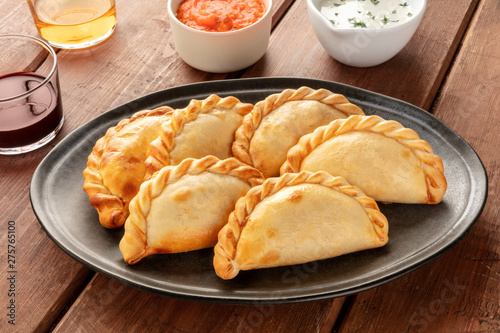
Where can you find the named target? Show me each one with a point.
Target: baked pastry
(295, 219)
(204, 127)
(182, 208)
(276, 124)
(115, 168)
(389, 162)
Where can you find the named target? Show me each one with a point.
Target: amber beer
(74, 24)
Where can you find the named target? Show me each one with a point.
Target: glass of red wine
(30, 101)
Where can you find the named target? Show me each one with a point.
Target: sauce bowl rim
(314, 7)
(220, 33)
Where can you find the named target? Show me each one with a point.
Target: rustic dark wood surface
(451, 68)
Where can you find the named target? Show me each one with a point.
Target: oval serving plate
(417, 234)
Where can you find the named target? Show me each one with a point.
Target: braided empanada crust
(213, 136)
(134, 244)
(225, 258)
(431, 164)
(297, 112)
(115, 168)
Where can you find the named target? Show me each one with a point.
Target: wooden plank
(108, 306)
(46, 279)
(16, 18)
(414, 75)
(138, 59)
(460, 291)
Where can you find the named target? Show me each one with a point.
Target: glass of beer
(74, 24)
(30, 101)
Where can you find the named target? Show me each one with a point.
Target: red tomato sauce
(220, 15)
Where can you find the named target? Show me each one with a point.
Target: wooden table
(450, 68)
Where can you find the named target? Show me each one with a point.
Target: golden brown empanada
(295, 219)
(202, 128)
(115, 168)
(389, 162)
(276, 124)
(182, 208)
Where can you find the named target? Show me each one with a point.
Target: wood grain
(460, 291)
(138, 59)
(108, 306)
(16, 18)
(47, 279)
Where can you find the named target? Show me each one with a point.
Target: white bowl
(220, 52)
(361, 47)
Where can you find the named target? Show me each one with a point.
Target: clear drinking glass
(31, 111)
(74, 24)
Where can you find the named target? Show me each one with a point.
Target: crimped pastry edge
(112, 209)
(134, 245)
(432, 163)
(159, 150)
(252, 121)
(224, 261)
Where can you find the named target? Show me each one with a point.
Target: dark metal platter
(417, 233)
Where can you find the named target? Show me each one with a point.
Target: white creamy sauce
(370, 14)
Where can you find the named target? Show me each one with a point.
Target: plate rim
(419, 259)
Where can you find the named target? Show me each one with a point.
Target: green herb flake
(404, 4)
(394, 11)
(359, 24)
(375, 2)
(410, 14)
(385, 20)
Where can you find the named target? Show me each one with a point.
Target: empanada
(295, 219)
(389, 162)
(204, 127)
(182, 208)
(276, 124)
(115, 168)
